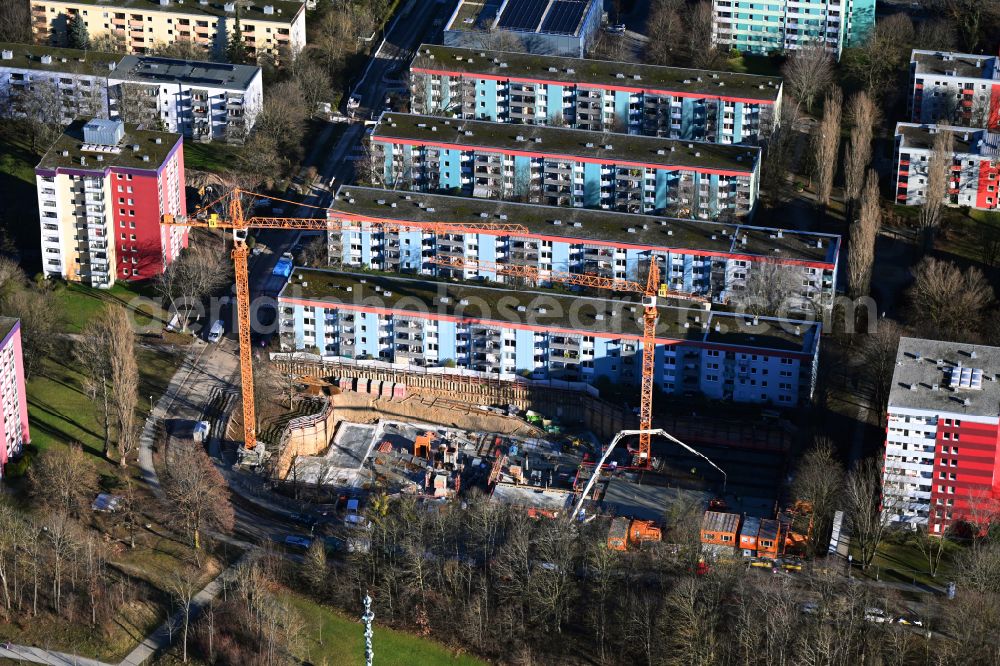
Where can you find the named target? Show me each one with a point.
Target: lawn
(19, 214)
(903, 562)
(214, 157)
(80, 304)
(334, 639)
(59, 410)
(755, 64)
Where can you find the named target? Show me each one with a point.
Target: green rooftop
(545, 308)
(69, 149)
(624, 148)
(596, 72)
(284, 10)
(29, 56)
(588, 224)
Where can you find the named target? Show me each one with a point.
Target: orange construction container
(769, 539)
(720, 529)
(422, 446)
(618, 535)
(641, 531)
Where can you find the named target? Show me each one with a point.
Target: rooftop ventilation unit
(46, 60)
(268, 10)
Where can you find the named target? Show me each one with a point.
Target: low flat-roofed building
(955, 89)
(546, 27)
(715, 261)
(544, 335)
(973, 165)
(564, 167)
(596, 95)
(201, 100)
(720, 529)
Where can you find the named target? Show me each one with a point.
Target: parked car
(215, 333)
(296, 541)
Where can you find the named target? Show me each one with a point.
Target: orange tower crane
(650, 291)
(240, 226)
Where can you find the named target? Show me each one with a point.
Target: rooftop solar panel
(564, 17)
(522, 15)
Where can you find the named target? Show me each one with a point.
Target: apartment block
(49, 82)
(369, 228)
(973, 167)
(14, 431)
(102, 188)
(542, 334)
(942, 450)
(545, 27)
(596, 95)
(787, 25)
(564, 167)
(202, 100)
(955, 89)
(269, 27)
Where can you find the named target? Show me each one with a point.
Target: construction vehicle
(240, 225)
(652, 290)
(618, 534)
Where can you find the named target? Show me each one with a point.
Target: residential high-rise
(14, 432)
(942, 450)
(564, 167)
(102, 189)
(708, 259)
(786, 25)
(543, 334)
(596, 95)
(272, 27)
(955, 89)
(973, 166)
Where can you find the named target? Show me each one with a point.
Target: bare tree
(124, 377)
(868, 509)
(932, 548)
(313, 81)
(878, 354)
(195, 492)
(826, 146)
(863, 115)
(15, 22)
(864, 232)
(938, 171)
(819, 480)
(41, 104)
(40, 323)
(946, 300)
(701, 50)
(62, 478)
(91, 353)
(183, 584)
(667, 27)
(136, 104)
(199, 271)
(183, 49)
(769, 289)
(808, 74)
(883, 54)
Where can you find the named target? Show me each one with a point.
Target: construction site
(348, 429)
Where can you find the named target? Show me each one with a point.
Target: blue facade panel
(451, 168)
(488, 252)
(632, 264)
(661, 189)
(524, 349)
(591, 185)
(299, 326)
(410, 250)
(621, 109)
(738, 109)
(560, 256)
(366, 334)
(446, 340)
(486, 99)
(554, 102)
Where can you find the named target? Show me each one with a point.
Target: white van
(215, 333)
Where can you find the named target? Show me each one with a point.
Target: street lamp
(150, 405)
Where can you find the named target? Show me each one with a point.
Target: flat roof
(152, 69)
(948, 63)
(71, 142)
(594, 73)
(29, 56)
(285, 11)
(951, 367)
(966, 140)
(544, 140)
(588, 224)
(545, 308)
(532, 496)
